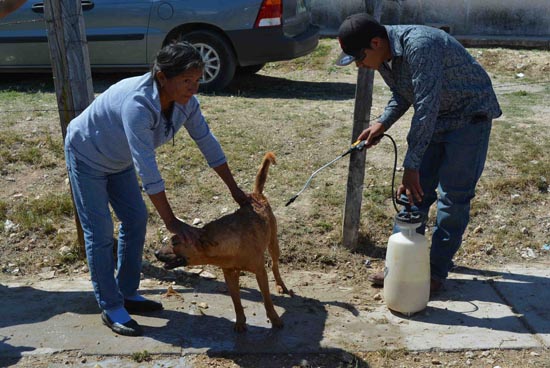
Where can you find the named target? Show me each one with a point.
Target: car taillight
(270, 14)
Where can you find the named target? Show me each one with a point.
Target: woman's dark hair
(176, 58)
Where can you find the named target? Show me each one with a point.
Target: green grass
(11, 96)
(38, 150)
(303, 111)
(519, 104)
(520, 142)
(42, 214)
(142, 356)
(16, 99)
(3, 212)
(319, 59)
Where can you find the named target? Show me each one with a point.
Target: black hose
(394, 171)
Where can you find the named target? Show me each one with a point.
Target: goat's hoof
(240, 327)
(278, 323)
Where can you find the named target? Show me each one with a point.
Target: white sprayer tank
(407, 272)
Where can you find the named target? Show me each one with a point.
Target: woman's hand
(241, 197)
(187, 233)
(238, 195)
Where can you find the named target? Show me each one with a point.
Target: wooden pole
(70, 66)
(356, 171)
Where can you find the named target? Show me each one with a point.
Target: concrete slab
(468, 314)
(527, 291)
(477, 310)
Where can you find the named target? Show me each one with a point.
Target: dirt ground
(48, 249)
(378, 359)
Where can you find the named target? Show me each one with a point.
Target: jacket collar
(394, 40)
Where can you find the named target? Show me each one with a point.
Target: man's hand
(372, 134)
(411, 186)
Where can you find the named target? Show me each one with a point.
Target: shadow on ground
(368, 247)
(521, 292)
(304, 318)
(263, 86)
(253, 86)
(29, 314)
(182, 324)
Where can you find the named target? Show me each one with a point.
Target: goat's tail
(261, 177)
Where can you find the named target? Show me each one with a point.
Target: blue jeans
(451, 167)
(93, 191)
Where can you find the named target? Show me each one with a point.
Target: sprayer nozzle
(291, 200)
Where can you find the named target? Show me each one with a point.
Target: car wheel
(218, 57)
(249, 69)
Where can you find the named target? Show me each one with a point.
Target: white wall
(498, 19)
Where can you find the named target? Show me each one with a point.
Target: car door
(116, 31)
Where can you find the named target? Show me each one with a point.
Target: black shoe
(435, 285)
(377, 279)
(143, 306)
(130, 328)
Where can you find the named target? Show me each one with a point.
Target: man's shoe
(435, 285)
(144, 306)
(377, 279)
(130, 328)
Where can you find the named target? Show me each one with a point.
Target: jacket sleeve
(424, 57)
(395, 108)
(138, 119)
(200, 132)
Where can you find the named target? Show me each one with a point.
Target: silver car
(232, 35)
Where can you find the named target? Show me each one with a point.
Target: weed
(39, 151)
(43, 213)
(391, 354)
(69, 258)
(3, 212)
(520, 93)
(303, 110)
(142, 356)
(317, 60)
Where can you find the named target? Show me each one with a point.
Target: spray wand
(356, 146)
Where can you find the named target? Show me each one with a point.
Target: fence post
(70, 66)
(356, 170)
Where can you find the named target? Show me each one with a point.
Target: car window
(300, 7)
(116, 33)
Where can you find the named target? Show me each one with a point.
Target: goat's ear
(175, 240)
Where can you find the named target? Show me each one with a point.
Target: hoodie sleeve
(139, 119)
(200, 132)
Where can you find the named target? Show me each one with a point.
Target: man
(9, 6)
(454, 105)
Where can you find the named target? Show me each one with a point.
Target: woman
(106, 145)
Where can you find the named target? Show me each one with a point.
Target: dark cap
(355, 34)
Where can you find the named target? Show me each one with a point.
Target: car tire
(249, 69)
(218, 56)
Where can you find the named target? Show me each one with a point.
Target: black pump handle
(402, 202)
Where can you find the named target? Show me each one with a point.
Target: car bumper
(270, 44)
